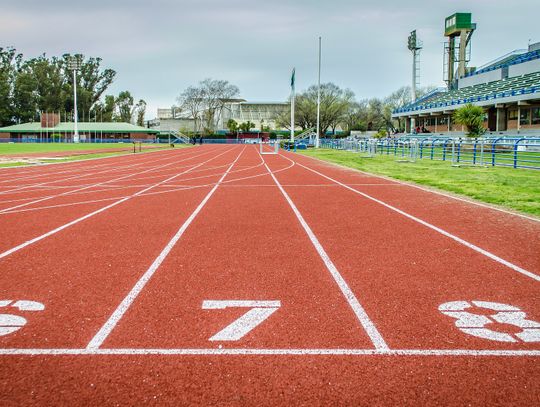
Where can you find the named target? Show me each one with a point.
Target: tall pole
(318, 99)
(292, 104)
(75, 126)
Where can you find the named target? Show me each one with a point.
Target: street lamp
(74, 64)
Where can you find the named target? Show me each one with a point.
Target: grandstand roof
(68, 127)
(508, 60)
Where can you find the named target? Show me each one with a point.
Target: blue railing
(506, 151)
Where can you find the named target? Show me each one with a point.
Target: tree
(246, 126)
(140, 110)
(124, 107)
(335, 103)
(472, 117)
(205, 102)
(232, 125)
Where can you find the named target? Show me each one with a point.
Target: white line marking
(358, 310)
(95, 185)
(82, 174)
(260, 311)
(107, 328)
(264, 352)
(433, 227)
(432, 190)
(89, 215)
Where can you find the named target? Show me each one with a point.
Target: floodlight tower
(457, 25)
(414, 45)
(74, 65)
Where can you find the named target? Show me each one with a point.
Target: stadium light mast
(74, 64)
(318, 99)
(414, 46)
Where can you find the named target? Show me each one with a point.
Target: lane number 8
(471, 323)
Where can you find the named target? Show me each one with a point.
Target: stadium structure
(508, 88)
(50, 128)
(261, 114)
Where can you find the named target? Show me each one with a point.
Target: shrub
(472, 117)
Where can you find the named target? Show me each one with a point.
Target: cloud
(160, 47)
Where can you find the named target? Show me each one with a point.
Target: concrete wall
(485, 77)
(524, 68)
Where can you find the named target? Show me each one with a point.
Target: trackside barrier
(506, 151)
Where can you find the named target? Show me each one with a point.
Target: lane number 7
(259, 312)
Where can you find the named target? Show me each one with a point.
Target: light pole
(74, 64)
(318, 98)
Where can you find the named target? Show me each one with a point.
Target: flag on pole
(292, 78)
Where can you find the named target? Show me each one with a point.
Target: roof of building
(494, 91)
(68, 127)
(508, 60)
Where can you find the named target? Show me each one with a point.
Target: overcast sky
(159, 47)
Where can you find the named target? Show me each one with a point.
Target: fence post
(516, 151)
(493, 145)
(474, 151)
(444, 150)
(432, 148)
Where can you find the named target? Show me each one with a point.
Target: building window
(512, 114)
(535, 115)
(525, 117)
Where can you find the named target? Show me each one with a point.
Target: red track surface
(123, 253)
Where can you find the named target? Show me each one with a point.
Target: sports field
(217, 275)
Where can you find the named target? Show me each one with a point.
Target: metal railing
(514, 152)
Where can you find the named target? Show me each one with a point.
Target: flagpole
(292, 105)
(318, 99)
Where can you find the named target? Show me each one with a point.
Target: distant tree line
(45, 84)
(339, 108)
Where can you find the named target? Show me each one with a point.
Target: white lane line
(433, 227)
(107, 328)
(432, 190)
(275, 352)
(98, 184)
(89, 215)
(357, 308)
(176, 188)
(82, 174)
(70, 166)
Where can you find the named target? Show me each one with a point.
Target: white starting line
(271, 352)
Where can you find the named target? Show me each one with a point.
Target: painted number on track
(474, 324)
(259, 312)
(10, 323)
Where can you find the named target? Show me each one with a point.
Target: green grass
(23, 148)
(517, 189)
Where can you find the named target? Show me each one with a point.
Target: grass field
(516, 189)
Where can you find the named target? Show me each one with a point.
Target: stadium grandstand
(508, 88)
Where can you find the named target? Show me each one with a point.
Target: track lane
(408, 270)
(84, 271)
(271, 259)
(22, 227)
(509, 236)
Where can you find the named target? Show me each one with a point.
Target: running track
(216, 275)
